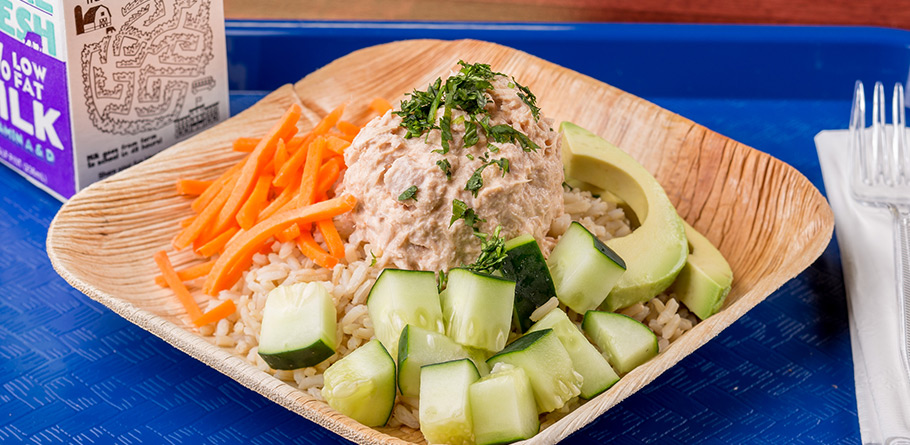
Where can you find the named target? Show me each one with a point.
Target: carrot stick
(190, 273)
(185, 222)
(288, 234)
(204, 199)
(310, 169)
(192, 187)
(290, 167)
(328, 174)
(223, 310)
(281, 200)
(380, 105)
(336, 144)
(249, 212)
(348, 128)
(328, 121)
(263, 152)
(281, 155)
(173, 281)
(245, 145)
(331, 237)
(204, 219)
(216, 245)
(342, 136)
(243, 247)
(309, 248)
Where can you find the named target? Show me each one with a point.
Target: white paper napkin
(866, 239)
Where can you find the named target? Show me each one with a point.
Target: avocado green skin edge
(656, 251)
(705, 281)
(311, 355)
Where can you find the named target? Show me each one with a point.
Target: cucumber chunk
(403, 297)
(362, 384)
(584, 269)
(597, 374)
(445, 409)
(502, 407)
(526, 265)
(626, 342)
(548, 366)
(419, 347)
(298, 326)
(477, 309)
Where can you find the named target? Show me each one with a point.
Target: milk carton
(91, 87)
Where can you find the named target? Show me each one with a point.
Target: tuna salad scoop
(467, 160)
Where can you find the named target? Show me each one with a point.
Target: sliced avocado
(656, 251)
(705, 280)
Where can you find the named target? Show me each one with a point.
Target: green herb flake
(460, 210)
(526, 96)
(408, 193)
(373, 256)
(492, 252)
(446, 167)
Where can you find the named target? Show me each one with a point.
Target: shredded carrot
(184, 223)
(348, 128)
(245, 145)
(290, 167)
(193, 187)
(281, 200)
(204, 199)
(288, 234)
(331, 237)
(313, 251)
(310, 170)
(204, 219)
(281, 156)
(216, 245)
(380, 105)
(249, 241)
(342, 136)
(249, 212)
(329, 121)
(336, 144)
(173, 281)
(253, 168)
(217, 313)
(190, 273)
(328, 174)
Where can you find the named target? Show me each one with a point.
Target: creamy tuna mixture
(405, 197)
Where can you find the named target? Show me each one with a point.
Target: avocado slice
(656, 251)
(705, 280)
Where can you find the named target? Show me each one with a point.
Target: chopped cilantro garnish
(475, 182)
(446, 167)
(373, 256)
(460, 210)
(492, 252)
(408, 193)
(528, 98)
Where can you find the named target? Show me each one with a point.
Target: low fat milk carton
(91, 87)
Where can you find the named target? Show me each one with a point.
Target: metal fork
(881, 177)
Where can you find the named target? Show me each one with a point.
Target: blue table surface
(72, 371)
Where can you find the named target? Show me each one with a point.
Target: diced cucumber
(502, 407)
(419, 347)
(403, 297)
(477, 309)
(548, 366)
(445, 408)
(597, 374)
(362, 384)
(584, 269)
(298, 326)
(625, 341)
(533, 285)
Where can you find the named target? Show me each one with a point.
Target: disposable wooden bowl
(767, 218)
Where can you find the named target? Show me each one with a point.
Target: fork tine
(901, 156)
(857, 136)
(879, 154)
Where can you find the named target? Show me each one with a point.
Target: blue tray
(72, 371)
